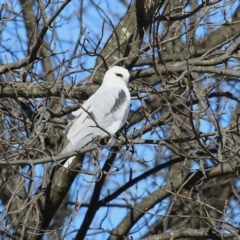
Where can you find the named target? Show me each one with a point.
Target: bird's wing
(109, 108)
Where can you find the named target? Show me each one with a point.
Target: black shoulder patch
(119, 101)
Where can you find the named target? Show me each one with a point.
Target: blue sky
(68, 26)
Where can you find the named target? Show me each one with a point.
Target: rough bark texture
(172, 171)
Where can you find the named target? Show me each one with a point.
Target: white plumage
(108, 106)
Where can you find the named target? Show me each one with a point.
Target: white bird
(108, 107)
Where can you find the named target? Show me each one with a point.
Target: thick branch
(204, 233)
(139, 210)
(53, 196)
(46, 89)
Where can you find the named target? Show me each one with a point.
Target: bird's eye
(119, 75)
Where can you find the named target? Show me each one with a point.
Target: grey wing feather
(104, 108)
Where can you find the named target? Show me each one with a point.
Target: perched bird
(103, 114)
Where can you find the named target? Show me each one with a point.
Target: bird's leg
(105, 140)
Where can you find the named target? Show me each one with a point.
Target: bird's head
(116, 75)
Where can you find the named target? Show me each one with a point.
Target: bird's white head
(116, 75)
